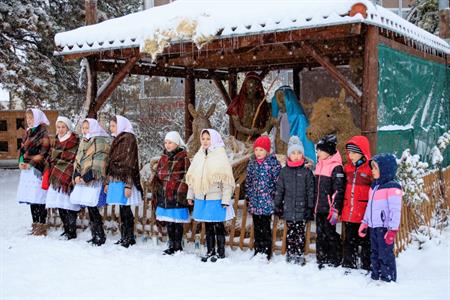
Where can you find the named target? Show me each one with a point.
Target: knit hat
(328, 144)
(353, 148)
(263, 142)
(295, 145)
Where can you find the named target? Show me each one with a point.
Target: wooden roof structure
(223, 57)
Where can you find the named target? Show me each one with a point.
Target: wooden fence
(240, 229)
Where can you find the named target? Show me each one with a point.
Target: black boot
(221, 246)
(71, 230)
(210, 247)
(128, 222)
(171, 235)
(96, 224)
(63, 217)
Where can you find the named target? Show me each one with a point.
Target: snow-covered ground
(50, 268)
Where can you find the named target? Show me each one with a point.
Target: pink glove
(362, 231)
(333, 216)
(389, 237)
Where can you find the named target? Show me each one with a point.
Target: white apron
(30, 189)
(86, 194)
(57, 199)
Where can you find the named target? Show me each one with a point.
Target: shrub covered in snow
(436, 153)
(410, 174)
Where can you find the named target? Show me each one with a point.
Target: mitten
(362, 231)
(389, 237)
(46, 179)
(333, 216)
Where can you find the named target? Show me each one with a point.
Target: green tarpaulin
(413, 103)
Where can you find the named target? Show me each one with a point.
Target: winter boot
(128, 222)
(210, 247)
(71, 231)
(221, 246)
(300, 260)
(122, 230)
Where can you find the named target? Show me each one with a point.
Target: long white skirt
(86, 194)
(30, 189)
(59, 199)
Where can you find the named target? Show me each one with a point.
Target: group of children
(83, 172)
(73, 172)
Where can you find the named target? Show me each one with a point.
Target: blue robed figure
(294, 121)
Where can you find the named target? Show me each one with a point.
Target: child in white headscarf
(211, 184)
(34, 152)
(124, 181)
(170, 189)
(90, 174)
(61, 165)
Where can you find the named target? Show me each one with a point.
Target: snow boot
(221, 246)
(210, 248)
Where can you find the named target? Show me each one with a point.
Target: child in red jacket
(359, 178)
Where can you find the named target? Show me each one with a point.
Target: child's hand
(389, 237)
(78, 180)
(333, 216)
(362, 231)
(190, 202)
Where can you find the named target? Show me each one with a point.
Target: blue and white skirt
(59, 199)
(175, 215)
(86, 194)
(212, 211)
(116, 194)
(30, 189)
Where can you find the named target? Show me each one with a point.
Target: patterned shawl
(36, 147)
(61, 163)
(123, 162)
(92, 155)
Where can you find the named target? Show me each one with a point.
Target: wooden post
(90, 7)
(189, 98)
(369, 99)
(232, 92)
(296, 81)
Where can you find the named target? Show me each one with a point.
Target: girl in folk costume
(89, 175)
(260, 187)
(329, 195)
(294, 200)
(61, 165)
(34, 151)
(211, 184)
(170, 189)
(124, 187)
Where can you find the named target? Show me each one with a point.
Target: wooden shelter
(332, 36)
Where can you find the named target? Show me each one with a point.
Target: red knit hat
(262, 142)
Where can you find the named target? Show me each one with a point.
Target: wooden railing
(240, 229)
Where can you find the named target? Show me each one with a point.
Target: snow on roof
(202, 21)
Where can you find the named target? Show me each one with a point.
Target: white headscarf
(69, 125)
(95, 129)
(123, 125)
(39, 117)
(175, 137)
(216, 139)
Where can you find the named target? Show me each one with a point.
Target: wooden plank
(115, 81)
(283, 240)
(90, 7)
(410, 50)
(232, 92)
(189, 98)
(345, 83)
(274, 233)
(369, 103)
(233, 222)
(243, 226)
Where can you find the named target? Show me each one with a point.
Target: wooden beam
(264, 73)
(350, 87)
(232, 92)
(226, 97)
(409, 50)
(115, 81)
(91, 87)
(111, 66)
(369, 103)
(296, 81)
(189, 98)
